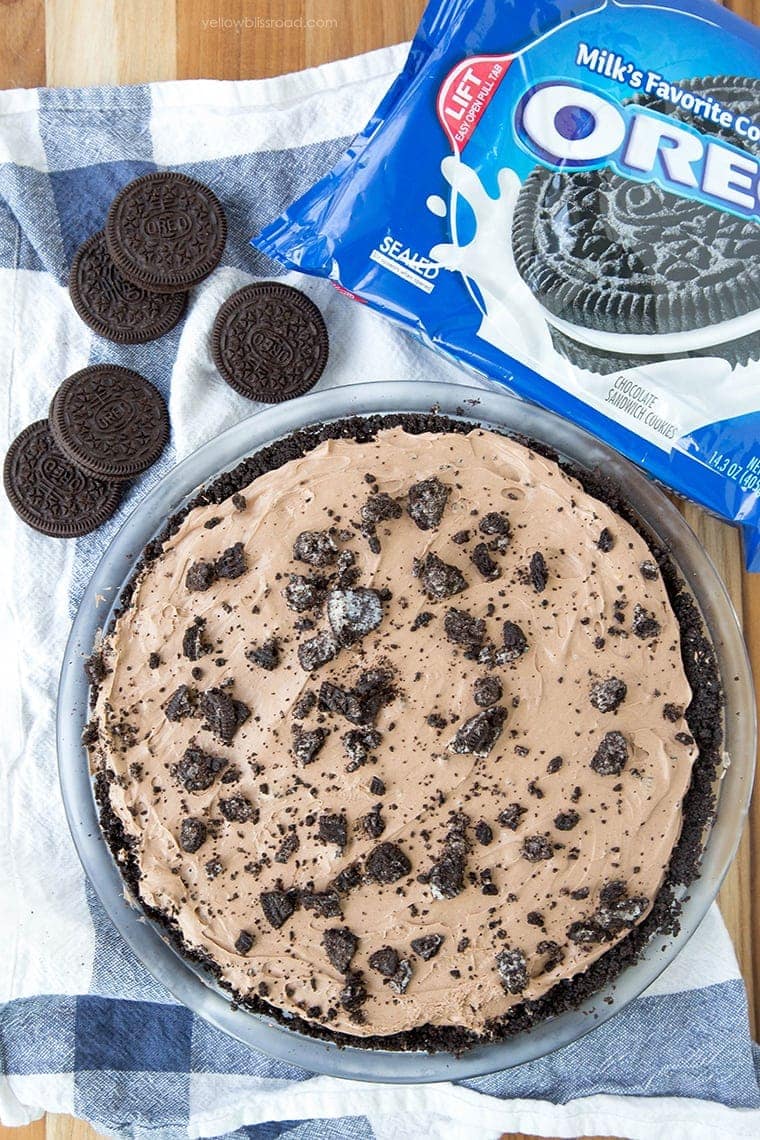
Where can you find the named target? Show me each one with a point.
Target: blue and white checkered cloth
(83, 1029)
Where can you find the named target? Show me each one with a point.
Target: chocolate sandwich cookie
(269, 342)
(49, 492)
(114, 307)
(166, 231)
(608, 254)
(110, 421)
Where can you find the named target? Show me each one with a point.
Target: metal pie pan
(487, 408)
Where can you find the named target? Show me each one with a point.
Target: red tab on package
(466, 92)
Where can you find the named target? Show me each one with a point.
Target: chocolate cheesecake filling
(397, 735)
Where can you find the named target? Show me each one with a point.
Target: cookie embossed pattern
(585, 191)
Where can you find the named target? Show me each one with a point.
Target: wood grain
(85, 42)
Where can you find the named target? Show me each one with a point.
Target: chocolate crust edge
(704, 717)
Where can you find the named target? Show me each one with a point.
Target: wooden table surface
(83, 42)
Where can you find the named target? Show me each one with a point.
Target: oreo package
(566, 199)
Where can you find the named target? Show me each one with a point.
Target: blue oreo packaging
(566, 198)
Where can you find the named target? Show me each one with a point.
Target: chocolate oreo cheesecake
(406, 732)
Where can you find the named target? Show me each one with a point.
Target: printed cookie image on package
(568, 202)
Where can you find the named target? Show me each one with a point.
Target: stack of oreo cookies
(64, 475)
(165, 233)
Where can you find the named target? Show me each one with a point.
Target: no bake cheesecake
(405, 734)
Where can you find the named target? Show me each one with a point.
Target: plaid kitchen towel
(83, 1029)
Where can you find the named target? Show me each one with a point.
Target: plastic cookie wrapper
(566, 199)
(481, 407)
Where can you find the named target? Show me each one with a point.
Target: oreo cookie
(49, 492)
(611, 255)
(109, 421)
(270, 342)
(114, 307)
(166, 231)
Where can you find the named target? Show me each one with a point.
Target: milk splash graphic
(688, 392)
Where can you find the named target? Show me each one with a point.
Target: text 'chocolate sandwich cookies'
(394, 734)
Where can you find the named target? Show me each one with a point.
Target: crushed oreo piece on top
(341, 944)
(399, 983)
(644, 624)
(515, 642)
(182, 703)
(197, 769)
(606, 540)
(238, 809)
(535, 848)
(611, 756)
(232, 562)
(200, 576)
(446, 876)
(315, 547)
(354, 993)
(427, 946)
(585, 932)
(387, 863)
(353, 613)
(373, 823)
(308, 745)
(192, 834)
(487, 691)
(224, 715)
(244, 942)
(302, 594)
(484, 563)
(439, 579)
(154, 660)
(513, 970)
(385, 961)
(347, 879)
(483, 833)
(239, 501)
(361, 704)
(478, 735)
(287, 848)
(333, 828)
(464, 629)
(278, 906)
(266, 656)
(566, 820)
(376, 786)
(358, 743)
(380, 508)
(324, 903)
(649, 570)
(539, 574)
(510, 817)
(495, 522)
(608, 695)
(305, 704)
(317, 651)
(673, 713)
(194, 642)
(427, 501)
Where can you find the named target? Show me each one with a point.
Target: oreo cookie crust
(166, 231)
(610, 254)
(269, 342)
(49, 492)
(703, 717)
(114, 307)
(110, 421)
